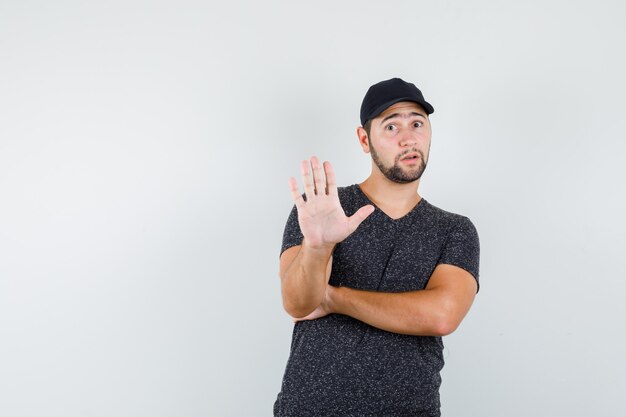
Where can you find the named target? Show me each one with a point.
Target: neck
(386, 193)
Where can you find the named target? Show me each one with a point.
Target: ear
(362, 135)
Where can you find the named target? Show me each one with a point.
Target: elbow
(434, 325)
(297, 310)
(444, 327)
(299, 303)
(445, 322)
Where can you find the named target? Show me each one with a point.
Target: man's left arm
(435, 311)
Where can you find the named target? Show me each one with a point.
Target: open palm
(320, 215)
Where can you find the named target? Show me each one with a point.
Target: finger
(357, 218)
(295, 193)
(318, 177)
(307, 179)
(331, 185)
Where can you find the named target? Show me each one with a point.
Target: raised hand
(321, 217)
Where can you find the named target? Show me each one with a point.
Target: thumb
(357, 218)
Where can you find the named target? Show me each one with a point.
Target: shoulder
(350, 198)
(461, 243)
(448, 220)
(348, 192)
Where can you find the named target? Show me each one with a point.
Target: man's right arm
(304, 275)
(305, 269)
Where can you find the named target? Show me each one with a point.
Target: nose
(408, 138)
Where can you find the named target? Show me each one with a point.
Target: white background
(145, 148)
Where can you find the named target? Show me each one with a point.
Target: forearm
(420, 313)
(304, 281)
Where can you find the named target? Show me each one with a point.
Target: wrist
(334, 298)
(321, 249)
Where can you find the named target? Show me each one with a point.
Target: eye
(390, 127)
(418, 124)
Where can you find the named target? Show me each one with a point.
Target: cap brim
(429, 109)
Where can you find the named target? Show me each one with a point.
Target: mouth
(413, 156)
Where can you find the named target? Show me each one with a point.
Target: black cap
(389, 92)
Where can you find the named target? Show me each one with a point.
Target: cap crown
(386, 93)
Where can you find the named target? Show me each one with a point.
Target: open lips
(411, 156)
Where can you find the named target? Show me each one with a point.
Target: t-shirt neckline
(410, 213)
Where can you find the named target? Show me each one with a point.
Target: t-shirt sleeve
(292, 236)
(462, 247)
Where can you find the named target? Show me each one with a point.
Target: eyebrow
(391, 116)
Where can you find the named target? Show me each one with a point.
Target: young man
(373, 274)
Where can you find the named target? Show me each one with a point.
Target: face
(399, 142)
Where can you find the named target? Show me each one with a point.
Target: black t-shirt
(340, 366)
